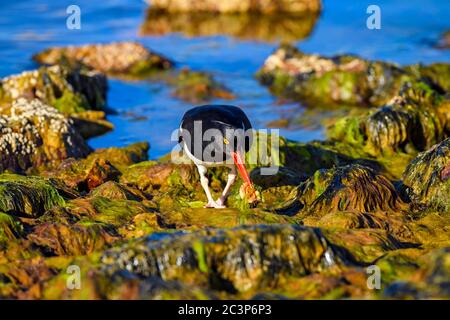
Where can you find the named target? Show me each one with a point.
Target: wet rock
(113, 212)
(22, 278)
(350, 188)
(10, 229)
(394, 222)
(122, 157)
(84, 175)
(364, 245)
(121, 285)
(427, 177)
(70, 239)
(270, 6)
(116, 59)
(432, 229)
(91, 123)
(33, 134)
(115, 191)
(247, 26)
(437, 75)
(194, 218)
(412, 122)
(232, 260)
(196, 87)
(302, 158)
(431, 282)
(70, 90)
(341, 79)
(152, 176)
(27, 195)
(100, 166)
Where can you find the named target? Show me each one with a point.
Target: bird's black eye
(180, 138)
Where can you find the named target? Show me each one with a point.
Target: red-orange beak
(237, 158)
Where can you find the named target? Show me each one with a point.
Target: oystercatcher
(218, 135)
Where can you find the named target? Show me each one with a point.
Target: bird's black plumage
(224, 118)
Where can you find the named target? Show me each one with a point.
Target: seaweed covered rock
(231, 260)
(70, 239)
(70, 90)
(196, 217)
(153, 176)
(430, 282)
(100, 166)
(247, 26)
(34, 134)
(427, 177)
(85, 174)
(411, 122)
(122, 157)
(116, 191)
(113, 212)
(116, 59)
(27, 195)
(84, 225)
(365, 246)
(10, 229)
(436, 74)
(196, 87)
(341, 79)
(297, 6)
(349, 188)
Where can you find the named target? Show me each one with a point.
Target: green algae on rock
(10, 229)
(70, 90)
(70, 239)
(349, 188)
(115, 59)
(231, 260)
(98, 167)
(427, 177)
(341, 79)
(430, 282)
(232, 6)
(27, 195)
(411, 122)
(193, 86)
(247, 26)
(33, 134)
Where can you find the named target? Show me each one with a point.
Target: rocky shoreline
(375, 192)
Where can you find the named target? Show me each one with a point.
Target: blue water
(147, 111)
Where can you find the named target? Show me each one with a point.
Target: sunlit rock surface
(230, 260)
(70, 90)
(116, 59)
(33, 134)
(427, 177)
(345, 79)
(262, 6)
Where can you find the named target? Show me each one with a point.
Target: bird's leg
(226, 191)
(204, 181)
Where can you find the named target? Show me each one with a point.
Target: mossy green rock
(350, 188)
(341, 79)
(27, 195)
(427, 177)
(229, 260)
(70, 90)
